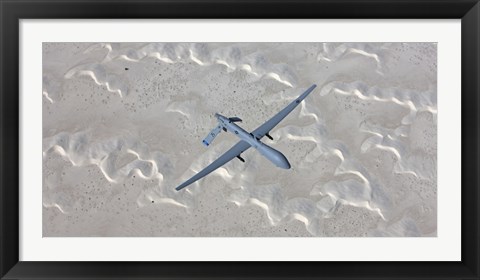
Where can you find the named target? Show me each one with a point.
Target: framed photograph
(236, 139)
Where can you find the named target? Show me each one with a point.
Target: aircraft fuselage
(268, 152)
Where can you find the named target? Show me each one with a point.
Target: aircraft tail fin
(212, 135)
(235, 119)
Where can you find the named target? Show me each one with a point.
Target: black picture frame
(11, 11)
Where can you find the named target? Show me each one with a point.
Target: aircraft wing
(271, 123)
(236, 150)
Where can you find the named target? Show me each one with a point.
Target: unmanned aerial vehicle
(247, 140)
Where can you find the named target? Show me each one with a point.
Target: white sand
(123, 124)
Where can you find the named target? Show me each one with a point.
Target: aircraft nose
(280, 160)
(274, 156)
(284, 163)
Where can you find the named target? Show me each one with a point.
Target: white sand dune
(123, 123)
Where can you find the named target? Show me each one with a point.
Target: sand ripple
(232, 57)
